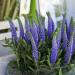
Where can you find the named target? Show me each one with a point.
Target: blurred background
(12, 8)
(9, 8)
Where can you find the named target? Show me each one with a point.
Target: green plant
(40, 51)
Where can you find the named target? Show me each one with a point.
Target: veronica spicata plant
(39, 48)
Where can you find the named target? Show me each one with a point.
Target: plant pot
(12, 69)
(4, 60)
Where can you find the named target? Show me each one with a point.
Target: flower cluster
(13, 30)
(63, 38)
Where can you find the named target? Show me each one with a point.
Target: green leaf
(48, 61)
(72, 65)
(40, 44)
(71, 72)
(31, 68)
(59, 53)
(42, 61)
(58, 62)
(60, 72)
(29, 58)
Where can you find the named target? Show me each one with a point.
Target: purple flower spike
(74, 44)
(34, 48)
(50, 25)
(34, 33)
(35, 52)
(13, 30)
(63, 23)
(41, 29)
(69, 49)
(42, 33)
(21, 29)
(26, 37)
(27, 25)
(54, 52)
(37, 26)
(58, 37)
(74, 38)
(71, 26)
(65, 40)
(67, 29)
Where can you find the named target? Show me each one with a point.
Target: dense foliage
(44, 51)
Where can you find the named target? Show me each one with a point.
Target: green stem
(32, 13)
